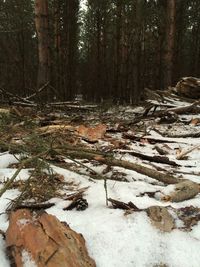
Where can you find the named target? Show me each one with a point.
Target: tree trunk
(169, 46)
(42, 28)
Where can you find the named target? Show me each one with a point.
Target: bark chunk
(47, 241)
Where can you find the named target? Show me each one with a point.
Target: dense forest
(101, 49)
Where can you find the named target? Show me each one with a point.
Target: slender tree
(42, 28)
(169, 42)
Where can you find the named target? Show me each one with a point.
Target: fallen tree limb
(13, 97)
(151, 139)
(35, 206)
(159, 176)
(37, 92)
(157, 159)
(75, 152)
(122, 205)
(192, 108)
(11, 180)
(194, 134)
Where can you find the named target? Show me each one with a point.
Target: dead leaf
(92, 134)
(195, 121)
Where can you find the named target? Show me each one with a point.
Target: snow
(116, 240)
(27, 260)
(113, 238)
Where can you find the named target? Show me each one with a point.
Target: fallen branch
(37, 92)
(35, 206)
(11, 180)
(159, 176)
(151, 139)
(122, 205)
(183, 153)
(192, 108)
(157, 159)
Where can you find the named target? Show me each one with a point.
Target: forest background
(105, 50)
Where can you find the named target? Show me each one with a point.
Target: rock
(189, 87)
(161, 218)
(46, 240)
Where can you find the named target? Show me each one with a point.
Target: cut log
(189, 87)
(46, 241)
(183, 191)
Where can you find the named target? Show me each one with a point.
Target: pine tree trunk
(169, 46)
(42, 28)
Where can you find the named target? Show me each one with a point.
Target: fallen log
(159, 176)
(81, 153)
(45, 240)
(189, 87)
(183, 191)
(192, 108)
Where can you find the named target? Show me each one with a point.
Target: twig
(34, 206)
(37, 92)
(186, 152)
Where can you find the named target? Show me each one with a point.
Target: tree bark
(169, 45)
(42, 29)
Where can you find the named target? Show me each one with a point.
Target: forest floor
(112, 175)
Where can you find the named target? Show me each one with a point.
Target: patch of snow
(27, 259)
(6, 160)
(22, 222)
(4, 260)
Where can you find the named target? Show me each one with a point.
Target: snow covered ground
(113, 238)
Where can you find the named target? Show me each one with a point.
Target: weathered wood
(192, 108)
(184, 153)
(122, 205)
(183, 191)
(158, 159)
(159, 176)
(189, 87)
